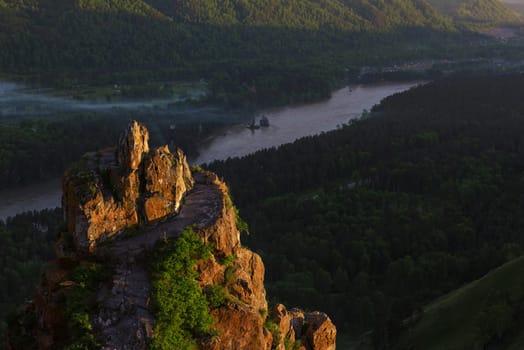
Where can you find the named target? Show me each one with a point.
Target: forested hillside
(374, 220)
(26, 244)
(305, 14)
(249, 51)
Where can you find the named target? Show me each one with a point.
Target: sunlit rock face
(314, 330)
(167, 178)
(118, 188)
(242, 325)
(132, 145)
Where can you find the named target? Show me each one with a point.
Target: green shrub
(229, 275)
(292, 345)
(228, 260)
(77, 307)
(297, 344)
(242, 225)
(216, 296)
(274, 329)
(181, 308)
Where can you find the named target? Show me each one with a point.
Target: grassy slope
(453, 321)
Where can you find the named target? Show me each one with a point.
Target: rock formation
(314, 330)
(108, 193)
(111, 190)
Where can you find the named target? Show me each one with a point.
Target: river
(286, 125)
(290, 123)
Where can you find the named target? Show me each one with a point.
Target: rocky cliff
(118, 204)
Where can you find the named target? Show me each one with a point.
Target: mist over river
(286, 125)
(20, 100)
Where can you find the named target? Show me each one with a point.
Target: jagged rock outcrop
(314, 330)
(114, 189)
(132, 145)
(167, 179)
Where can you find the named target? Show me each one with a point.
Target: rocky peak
(132, 145)
(115, 189)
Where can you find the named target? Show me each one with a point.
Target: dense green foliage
(372, 221)
(304, 14)
(26, 243)
(87, 280)
(181, 309)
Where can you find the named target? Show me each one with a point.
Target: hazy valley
(398, 219)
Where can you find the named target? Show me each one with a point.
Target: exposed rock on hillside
(314, 330)
(130, 185)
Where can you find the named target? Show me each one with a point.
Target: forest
(274, 53)
(26, 244)
(372, 221)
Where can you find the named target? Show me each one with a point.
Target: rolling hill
(483, 312)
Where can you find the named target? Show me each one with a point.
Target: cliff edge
(120, 205)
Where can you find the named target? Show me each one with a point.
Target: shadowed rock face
(115, 189)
